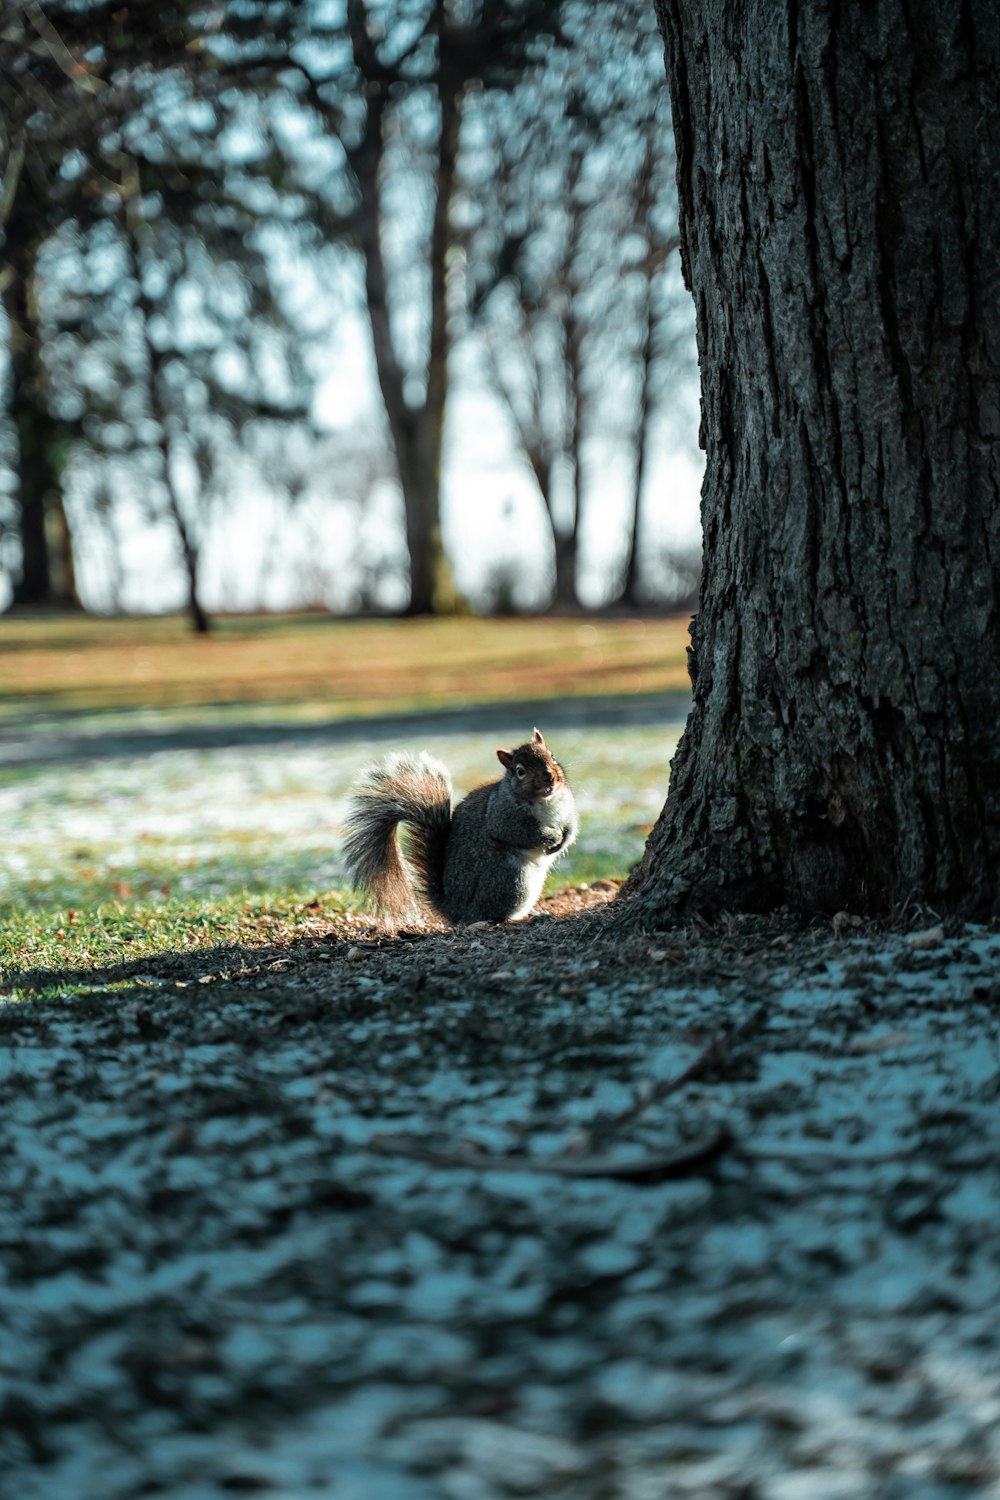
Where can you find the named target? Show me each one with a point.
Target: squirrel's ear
(536, 738)
(505, 758)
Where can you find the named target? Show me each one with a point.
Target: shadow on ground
(49, 745)
(356, 1216)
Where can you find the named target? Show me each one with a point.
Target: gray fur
(486, 862)
(500, 850)
(410, 789)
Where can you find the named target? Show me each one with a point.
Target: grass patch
(200, 824)
(65, 951)
(111, 861)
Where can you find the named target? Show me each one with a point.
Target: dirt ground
(552, 1210)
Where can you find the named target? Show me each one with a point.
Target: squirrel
(484, 862)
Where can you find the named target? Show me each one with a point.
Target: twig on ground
(711, 1056)
(654, 1167)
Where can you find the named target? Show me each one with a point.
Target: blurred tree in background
(54, 106)
(198, 205)
(571, 215)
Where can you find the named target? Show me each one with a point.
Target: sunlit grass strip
(317, 667)
(71, 950)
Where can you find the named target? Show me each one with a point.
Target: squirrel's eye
(521, 773)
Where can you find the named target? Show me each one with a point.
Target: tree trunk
(190, 551)
(566, 538)
(431, 584)
(136, 231)
(201, 621)
(47, 571)
(564, 587)
(838, 178)
(528, 422)
(629, 593)
(417, 431)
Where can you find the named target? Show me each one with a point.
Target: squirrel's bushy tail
(410, 789)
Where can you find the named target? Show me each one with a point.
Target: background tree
(390, 84)
(570, 213)
(59, 117)
(148, 185)
(45, 566)
(841, 236)
(195, 412)
(325, 145)
(656, 354)
(49, 101)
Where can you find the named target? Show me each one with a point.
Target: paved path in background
(49, 747)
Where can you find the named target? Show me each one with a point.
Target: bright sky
(492, 515)
(256, 554)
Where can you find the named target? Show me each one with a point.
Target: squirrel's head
(532, 769)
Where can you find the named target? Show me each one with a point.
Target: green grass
(129, 860)
(69, 950)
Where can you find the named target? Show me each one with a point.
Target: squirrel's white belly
(533, 872)
(551, 815)
(552, 818)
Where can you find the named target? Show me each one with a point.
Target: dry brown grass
(316, 666)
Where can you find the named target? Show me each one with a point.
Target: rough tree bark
(839, 179)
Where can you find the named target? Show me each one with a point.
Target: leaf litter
(334, 1213)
